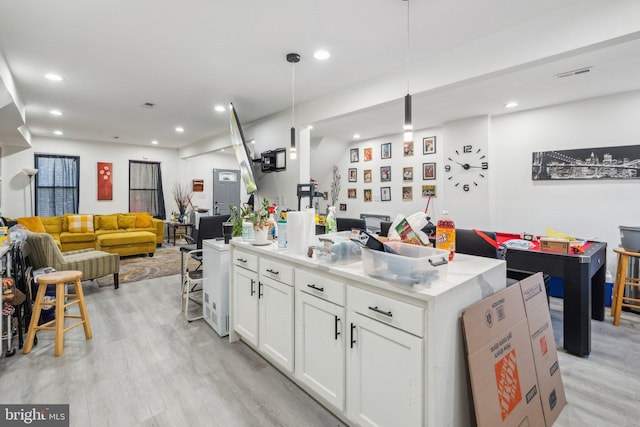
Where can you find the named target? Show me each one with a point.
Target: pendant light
(408, 125)
(293, 58)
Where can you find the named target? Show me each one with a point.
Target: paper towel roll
(300, 231)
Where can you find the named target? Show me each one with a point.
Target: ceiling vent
(148, 105)
(573, 73)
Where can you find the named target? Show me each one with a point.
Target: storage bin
(410, 265)
(339, 249)
(630, 238)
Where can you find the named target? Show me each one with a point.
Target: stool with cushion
(622, 280)
(62, 302)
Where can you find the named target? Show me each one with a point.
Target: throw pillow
(80, 223)
(107, 222)
(144, 221)
(126, 221)
(32, 223)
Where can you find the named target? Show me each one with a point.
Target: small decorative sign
(197, 185)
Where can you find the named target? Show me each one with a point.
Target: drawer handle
(437, 263)
(336, 333)
(377, 310)
(241, 260)
(351, 339)
(272, 272)
(316, 288)
(260, 293)
(253, 290)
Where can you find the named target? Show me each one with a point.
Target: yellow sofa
(131, 233)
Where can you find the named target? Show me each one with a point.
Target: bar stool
(58, 278)
(623, 280)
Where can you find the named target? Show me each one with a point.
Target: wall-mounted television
(241, 150)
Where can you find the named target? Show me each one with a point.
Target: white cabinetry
(320, 335)
(384, 362)
(215, 285)
(245, 296)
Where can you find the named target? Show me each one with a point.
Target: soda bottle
(446, 234)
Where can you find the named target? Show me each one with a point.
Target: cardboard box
(500, 360)
(555, 245)
(543, 345)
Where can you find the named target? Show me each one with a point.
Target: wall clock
(467, 168)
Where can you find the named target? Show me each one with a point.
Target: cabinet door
(276, 321)
(245, 302)
(320, 358)
(384, 374)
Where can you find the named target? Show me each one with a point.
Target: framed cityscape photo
(385, 173)
(428, 171)
(352, 193)
(429, 145)
(353, 174)
(407, 174)
(367, 195)
(367, 175)
(354, 155)
(368, 154)
(385, 194)
(385, 151)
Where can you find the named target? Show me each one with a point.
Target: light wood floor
(146, 366)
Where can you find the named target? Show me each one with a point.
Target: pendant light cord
(293, 93)
(408, 46)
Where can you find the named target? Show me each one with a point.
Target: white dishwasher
(215, 285)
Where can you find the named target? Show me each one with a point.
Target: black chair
(470, 243)
(384, 228)
(347, 224)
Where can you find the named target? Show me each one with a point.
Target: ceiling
(186, 57)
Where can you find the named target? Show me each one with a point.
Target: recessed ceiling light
(154, 142)
(57, 132)
(53, 77)
(356, 136)
(55, 112)
(116, 137)
(179, 129)
(220, 108)
(321, 55)
(222, 149)
(511, 104)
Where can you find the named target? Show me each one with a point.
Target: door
(320, 347)
(385, 374)
(226, 190)
(246, 304)
(276, 321)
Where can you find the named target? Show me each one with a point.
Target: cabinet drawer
(276, 270)
(399, 314)
(246, 260)
(313, 283)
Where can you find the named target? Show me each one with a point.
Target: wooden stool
(623, 280)
(58, 278)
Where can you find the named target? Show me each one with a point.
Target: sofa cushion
(53, 225)
(80, 223)
(143, 220)
(32, 223)
(126, 221)
(101, 232)
(68, 237)
(106, 222)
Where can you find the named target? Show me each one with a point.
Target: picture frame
(385, 194)
(343, 207)
(407, 174)
(429, 145)
(354, 155)
(428, 171)
(368, 196)
(366, 174)
(352, 175)
(352, 193)
(407, 194)
(385, 173)
(428, 190)
(368, 154)
(407, 149)
(385, 150)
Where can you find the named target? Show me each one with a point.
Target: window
(145, 188)
(57, 184)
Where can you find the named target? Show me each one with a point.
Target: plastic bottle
(273, 232)
(282, 233)
(446, 234)
(330, 222)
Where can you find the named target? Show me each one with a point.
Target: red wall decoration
(105, 181)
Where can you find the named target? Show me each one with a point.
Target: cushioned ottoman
(132, 243)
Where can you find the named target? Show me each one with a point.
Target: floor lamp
(30, 172)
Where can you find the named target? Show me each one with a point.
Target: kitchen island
(374, 352)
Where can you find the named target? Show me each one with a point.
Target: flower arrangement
(258, 217)
(182, 196)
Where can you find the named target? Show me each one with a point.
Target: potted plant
(259, 217)
(182, 197)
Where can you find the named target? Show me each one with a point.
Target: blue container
(556, 289)
(48, 313)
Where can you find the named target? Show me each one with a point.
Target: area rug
(165, 262)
